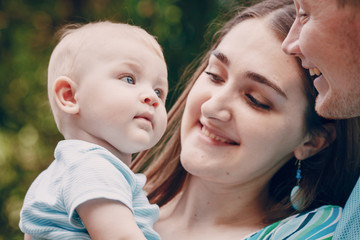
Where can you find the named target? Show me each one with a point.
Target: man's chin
(332, 107)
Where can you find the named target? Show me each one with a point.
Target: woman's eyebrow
(251, 75)
(221, 57)
(263, 80)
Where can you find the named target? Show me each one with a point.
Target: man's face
(327, 39)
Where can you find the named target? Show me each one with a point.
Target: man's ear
(64, 92)
(316, 143)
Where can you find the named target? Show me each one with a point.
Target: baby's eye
(158, 92)
(128, 79)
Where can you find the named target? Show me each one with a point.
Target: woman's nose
(217, 107)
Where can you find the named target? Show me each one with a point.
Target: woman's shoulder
(325, 210)
(319, 223)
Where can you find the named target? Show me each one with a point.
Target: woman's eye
(253, 101)
(128, 79)
(213, 77)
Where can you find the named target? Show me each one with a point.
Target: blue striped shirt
(80, 172)
(349, 225)
(318, 224)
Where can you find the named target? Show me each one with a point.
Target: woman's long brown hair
(328, 177)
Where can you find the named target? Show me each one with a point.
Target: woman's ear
(316, 143)
(64, 92)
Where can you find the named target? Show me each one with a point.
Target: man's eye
(128, 79)
(303, 16)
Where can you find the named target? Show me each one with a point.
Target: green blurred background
(28, 134)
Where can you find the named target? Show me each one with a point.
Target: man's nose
(291, 43)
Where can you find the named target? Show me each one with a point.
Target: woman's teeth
(213, 136)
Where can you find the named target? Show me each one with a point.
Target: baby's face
(122, 87)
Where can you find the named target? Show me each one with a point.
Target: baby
(107, 85)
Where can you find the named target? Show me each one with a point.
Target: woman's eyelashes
(256, 103)
(213, 77)
(253, 101)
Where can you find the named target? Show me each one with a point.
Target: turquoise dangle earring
(296, 204)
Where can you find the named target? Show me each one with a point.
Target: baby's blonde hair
(72, 39)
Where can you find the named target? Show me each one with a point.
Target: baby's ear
(64, 92)
(316, 143)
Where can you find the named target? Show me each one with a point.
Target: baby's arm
(27, 237)
(109, 219)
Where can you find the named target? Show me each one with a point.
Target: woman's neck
(204, 205)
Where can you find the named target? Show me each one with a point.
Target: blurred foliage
(28, 134)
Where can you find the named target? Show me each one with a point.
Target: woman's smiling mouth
(215, 137)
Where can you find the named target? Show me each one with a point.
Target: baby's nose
(152, 101)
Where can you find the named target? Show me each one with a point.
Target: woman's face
(245, 114)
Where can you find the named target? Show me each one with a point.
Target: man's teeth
(213, 136)
(314, 71)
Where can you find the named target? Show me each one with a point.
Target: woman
(242, 135)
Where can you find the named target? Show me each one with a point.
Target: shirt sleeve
(349, 225)
(96, 175)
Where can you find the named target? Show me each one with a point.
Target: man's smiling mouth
(314, 72)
